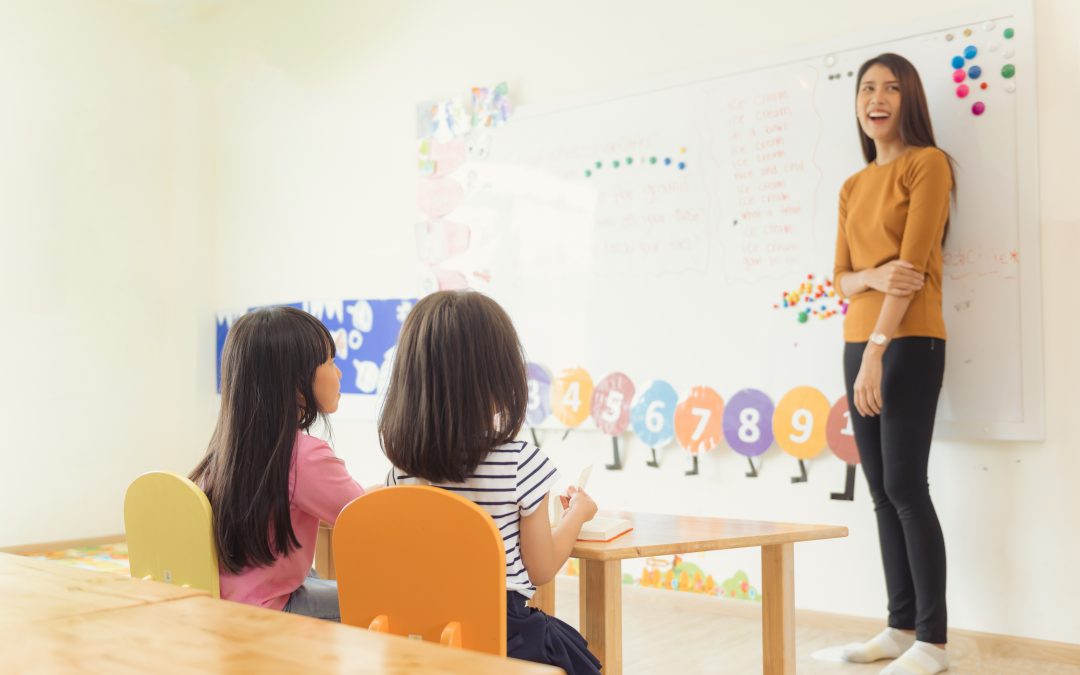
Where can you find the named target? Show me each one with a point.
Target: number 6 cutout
(653, 414)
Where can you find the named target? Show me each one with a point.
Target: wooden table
(659, 535)
(38, 590)
(204, 635)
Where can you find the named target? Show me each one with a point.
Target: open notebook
(599, 528)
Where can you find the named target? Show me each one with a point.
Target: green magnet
(1008, 70)
(1009, 33)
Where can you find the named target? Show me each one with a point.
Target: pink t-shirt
(321, 487)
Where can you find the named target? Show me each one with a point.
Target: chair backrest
(413, 560)
(170, 532)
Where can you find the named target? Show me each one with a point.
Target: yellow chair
(170, 532)
(425, 563)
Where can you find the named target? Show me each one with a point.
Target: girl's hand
(576, 501)
(895, 278)
(867, 388)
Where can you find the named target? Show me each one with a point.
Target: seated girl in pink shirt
(269, 483)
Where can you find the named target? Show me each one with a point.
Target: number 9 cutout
(799, 422)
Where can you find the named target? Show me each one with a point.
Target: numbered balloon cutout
(539, 405)
(839, 433)
(611, 403)
(748, 422)
(698, 420)
(799, 422)
(652, 416)
(571, 395)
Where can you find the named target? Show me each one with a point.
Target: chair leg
(451, 635)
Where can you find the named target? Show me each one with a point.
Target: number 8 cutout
(799, 422)
(652, 416)
(571, 394)
(611, 403)
(698, 420)
(748, 422)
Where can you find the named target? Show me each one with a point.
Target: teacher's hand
(867, 388)
(895, 278)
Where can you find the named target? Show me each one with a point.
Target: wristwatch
(879, 339)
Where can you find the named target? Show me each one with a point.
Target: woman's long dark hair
(915, 128)
(457, 389)
(267, 397)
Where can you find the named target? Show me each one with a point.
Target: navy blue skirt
(534, 636)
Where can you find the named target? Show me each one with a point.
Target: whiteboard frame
(1032, 426)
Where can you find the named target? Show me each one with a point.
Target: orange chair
(425, 563)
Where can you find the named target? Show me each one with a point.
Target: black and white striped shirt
(511, 482)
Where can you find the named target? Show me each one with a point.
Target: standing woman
(894, 215)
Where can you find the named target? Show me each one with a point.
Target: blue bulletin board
(365, 333)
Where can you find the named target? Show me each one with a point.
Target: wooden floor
(667, 632)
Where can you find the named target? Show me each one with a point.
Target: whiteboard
(665, 271)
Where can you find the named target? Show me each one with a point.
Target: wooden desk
(659, 535)
(38, 590)
(204, 635)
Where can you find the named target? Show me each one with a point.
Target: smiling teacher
(894, 216)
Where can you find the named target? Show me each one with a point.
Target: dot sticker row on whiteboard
(802, 423)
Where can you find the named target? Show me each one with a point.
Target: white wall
(310, 187)
(104, 264)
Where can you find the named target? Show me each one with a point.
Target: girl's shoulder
(307, 446)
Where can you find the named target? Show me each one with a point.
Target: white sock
(922, 659)
(888, 644)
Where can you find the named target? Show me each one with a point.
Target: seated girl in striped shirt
(454, 405)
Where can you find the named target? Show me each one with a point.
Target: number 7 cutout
(611, 410)
(841, 437)
(698, 423)
(799, 425)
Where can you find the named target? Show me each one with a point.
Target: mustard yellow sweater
(890, 212)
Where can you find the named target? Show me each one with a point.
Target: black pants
(894, 448)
